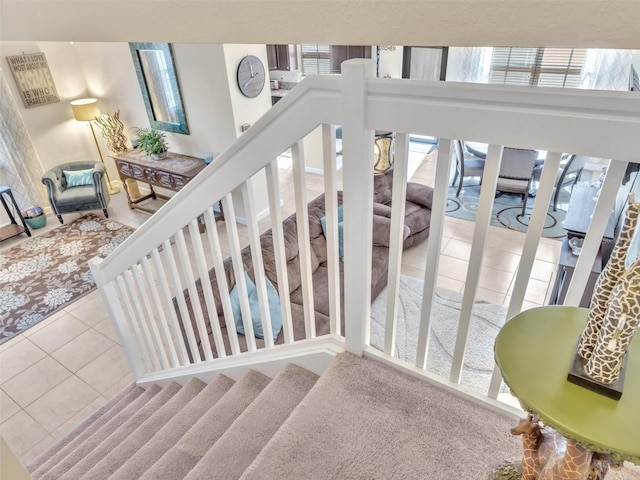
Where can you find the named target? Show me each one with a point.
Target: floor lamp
(86, 110)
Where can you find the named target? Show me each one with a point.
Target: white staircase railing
(168, 320)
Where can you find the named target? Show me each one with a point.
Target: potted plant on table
(152, 141)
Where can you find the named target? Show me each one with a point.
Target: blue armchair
(76, 187)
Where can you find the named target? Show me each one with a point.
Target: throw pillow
(254, 305)
(78, 178)
(323, 222)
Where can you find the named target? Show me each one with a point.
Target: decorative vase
(614, 313)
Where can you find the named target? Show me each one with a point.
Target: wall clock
(251, 76)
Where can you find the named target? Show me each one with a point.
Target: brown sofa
(417, 220)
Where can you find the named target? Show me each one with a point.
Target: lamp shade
(85, 109)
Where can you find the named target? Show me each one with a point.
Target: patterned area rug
(507, 211)
(48, 272)
(486, 321)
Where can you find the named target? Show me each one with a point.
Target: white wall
(247, 110)
(390, 60)
(56, 136)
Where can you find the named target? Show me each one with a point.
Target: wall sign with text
(34, 80)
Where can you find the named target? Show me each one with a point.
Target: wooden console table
(534, 351)
(173, 172)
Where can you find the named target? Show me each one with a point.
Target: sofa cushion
(78, 178)
(254, 305)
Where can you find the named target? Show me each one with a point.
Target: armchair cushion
(77, 178)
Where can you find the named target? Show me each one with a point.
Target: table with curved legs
(583, 431)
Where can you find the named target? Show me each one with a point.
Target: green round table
(535, 350)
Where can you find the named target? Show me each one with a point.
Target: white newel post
(357, 148)
(110, 299)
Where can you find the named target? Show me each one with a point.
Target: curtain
(475, 64)
(606, 69)
(20, 168)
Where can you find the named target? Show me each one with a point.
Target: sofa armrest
(52, 180)
(382, 230)
(420, 194)
(381, 209)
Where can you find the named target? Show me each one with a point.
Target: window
(325, 59)
(316, 59)
(547, 67)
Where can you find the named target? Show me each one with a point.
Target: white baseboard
(320, 171)
(262, 214)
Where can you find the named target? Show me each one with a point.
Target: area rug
(507, 211)
(485, 323)
(46, 273)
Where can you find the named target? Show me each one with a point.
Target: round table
(534, 351)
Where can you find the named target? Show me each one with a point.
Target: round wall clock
(251, 76)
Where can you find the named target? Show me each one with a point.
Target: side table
(534, 351)
(13, 228)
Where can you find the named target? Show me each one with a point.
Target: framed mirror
(159, 85)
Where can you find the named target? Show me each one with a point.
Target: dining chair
(516, 172)
(568, 175)
(467, 165)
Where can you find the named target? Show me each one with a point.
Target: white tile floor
(56, 373)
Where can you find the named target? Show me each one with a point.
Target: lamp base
(113, 190)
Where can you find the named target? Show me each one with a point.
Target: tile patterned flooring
(58, 372)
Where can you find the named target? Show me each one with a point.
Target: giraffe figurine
(618, 327)
(531, 436)
(547, 455)
(607, 280)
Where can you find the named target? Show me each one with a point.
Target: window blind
(316, 59)
(548, 67)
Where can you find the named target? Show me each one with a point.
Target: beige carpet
(359, 420)
(364, 420)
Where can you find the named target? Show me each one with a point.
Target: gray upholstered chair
(516, 172)
(65, 198)
(467, 165)
(568, 175)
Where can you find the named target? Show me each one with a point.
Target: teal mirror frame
(171, 82)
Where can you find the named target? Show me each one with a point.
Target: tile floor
(56, 373)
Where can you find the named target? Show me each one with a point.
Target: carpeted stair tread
(364, 419)
(168, 435)
(242, 442)
(88, 426)
(188, 451)
(123, 432)
(130, 444)
(73, 455)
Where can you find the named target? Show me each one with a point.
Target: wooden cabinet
(282, 57)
